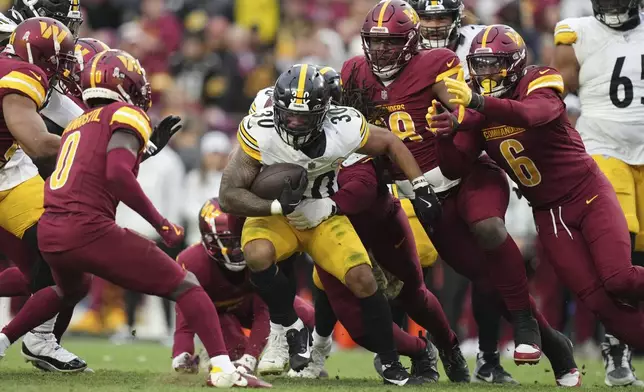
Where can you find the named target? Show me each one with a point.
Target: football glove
(246, 364)
(171, 234)
(311, 212)
(290, 197)
(426, 204)
(441, 121)
(163, 133)
(186, 363)
(463, 93)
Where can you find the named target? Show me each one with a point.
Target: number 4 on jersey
(617, 80)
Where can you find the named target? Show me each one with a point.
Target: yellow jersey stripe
(251, 152)
(253, 108)
(242, 129)
(25, 84)
(485, 35)
(135, 120)
(562, 27)
(555, 82)
(434, 2)
(381, 16)
(301, 83)
(364, 133)
(449, 73)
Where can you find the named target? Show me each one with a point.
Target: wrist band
(419, 182)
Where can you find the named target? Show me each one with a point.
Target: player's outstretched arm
(122, 155)
(234, 194)
(28, 128)
(383, 142)
(566, 63)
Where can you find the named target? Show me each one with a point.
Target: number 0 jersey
(345, 130)
(611, 86)
(78, 184)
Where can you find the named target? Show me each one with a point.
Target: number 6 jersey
(611, 86)
(345, 131)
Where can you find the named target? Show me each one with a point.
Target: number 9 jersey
(611, 86)
(345, 131)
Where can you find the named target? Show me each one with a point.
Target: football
(270, 181)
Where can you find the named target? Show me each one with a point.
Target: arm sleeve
(540, 107)
(358, 188)
(122, 183)
(457, 153)
(260, 329)
(184, 337)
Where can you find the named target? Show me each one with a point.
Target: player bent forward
(98, 160)
(303, 128)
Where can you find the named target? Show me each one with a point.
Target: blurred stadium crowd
(206, 60)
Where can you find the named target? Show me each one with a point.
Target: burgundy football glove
(171, 234)
(444, 123)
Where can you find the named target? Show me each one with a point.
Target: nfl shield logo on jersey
(383, 95)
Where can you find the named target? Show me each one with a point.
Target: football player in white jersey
(598, 58)
(41, 348)
(303, 128)
(441, 27)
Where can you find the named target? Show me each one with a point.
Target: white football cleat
(617, 362)
(246, 364)
(274, 360)
(186, 363)
(44, 352)
(219, 379)
(4, 345)
(529, 354)
(571, 379)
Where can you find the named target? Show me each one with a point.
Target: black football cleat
(489, 370)
(299, 348)
(396, 374)
(455, 364)
(426, 365)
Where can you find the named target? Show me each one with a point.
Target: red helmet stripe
(301, 82)
(381, 16)
(487, 32)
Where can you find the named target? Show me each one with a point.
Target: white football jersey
(263, 99)
(611, 86)
(345, 129)
(467, 35)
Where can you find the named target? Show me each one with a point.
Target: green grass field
(146, 367)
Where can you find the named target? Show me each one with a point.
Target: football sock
(319, 340)
(201, 316)
(423, 307)
(278, 294)
(4, 343)
(512, 282)
(13, 283)
(325, 318)
(298, 324)
(408, 345)
(378, 326)
(305, 312)
(488, 320)
(42, 306)
(62, 322)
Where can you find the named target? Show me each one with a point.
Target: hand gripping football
(269, 183)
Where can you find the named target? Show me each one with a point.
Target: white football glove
(311, 212)
(186, 363)
(246, 364)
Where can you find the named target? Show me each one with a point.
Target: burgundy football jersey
(225, 288)
(407, 98)
(547, 161)
(78, 184)
(18, 77)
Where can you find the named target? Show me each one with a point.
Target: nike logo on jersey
(591, 199)
(38, 77)
(544, 72)
(398, 245)
(450, 63)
